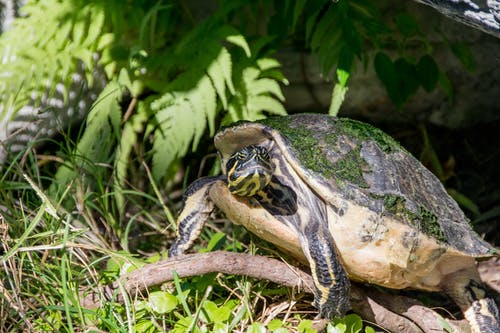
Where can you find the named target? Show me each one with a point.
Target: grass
(54, 246)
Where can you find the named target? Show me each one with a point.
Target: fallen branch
(395, 313)
(198, 264)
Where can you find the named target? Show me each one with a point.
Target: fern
(242, 89)
(191, 90)
(50, 72)
(259, 94)
(45, 47)
(176, 93)
(339, 31)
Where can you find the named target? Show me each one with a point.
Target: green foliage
(224, 81)
(176, 95)
(352, 323)
(46, 46)
(172, 76)
(340, 32)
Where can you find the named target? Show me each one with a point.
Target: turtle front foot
(175, 250)
(197, 206)
(332, 307)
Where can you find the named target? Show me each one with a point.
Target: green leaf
(338, 328)
(162, 302)
(99, 138)
(324, 27)
(267, 63)
(96, 27)
(297, 11)
(190, 111)
(275, 324)
(407, 25)
(267, 86)
(338, 95)
(128, 139)
(386, 72)
(306, 326)
(281, 330)
(351, 323)
(105, 40)
(312, 12)
(369, 329)
(144, 326)
(256, 328)
(240, 41)
(346, 59)
(259, 103)
(427, 72)
(214, 241)
(354, 322)
(79, 30)
(407, 77)
(342, 77)
(215, 313)
(220, 71)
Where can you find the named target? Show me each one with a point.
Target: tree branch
(395, 313)
(470, 13)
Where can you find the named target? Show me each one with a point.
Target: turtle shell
(385, 209)
(349, 163)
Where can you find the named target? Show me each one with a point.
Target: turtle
(349, 200)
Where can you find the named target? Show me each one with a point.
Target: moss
(429, 224)
(351, 168)
(423, 220)
(363, 132)
(312, 147)
(394, 204)
(304, 144)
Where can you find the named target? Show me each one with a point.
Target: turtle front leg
(466, 289)
(196, 208)
(330, 279)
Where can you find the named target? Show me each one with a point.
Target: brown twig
(394, 313)
(202, 263)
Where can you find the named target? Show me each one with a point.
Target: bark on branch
(394, 313)
(483, 17)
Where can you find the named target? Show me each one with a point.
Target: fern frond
(50, 72)
(333, 28)
(220, 72)
(259, 92)
(229, 79)
(48, 43)
(182, 117)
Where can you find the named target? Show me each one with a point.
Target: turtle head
(249, 170)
